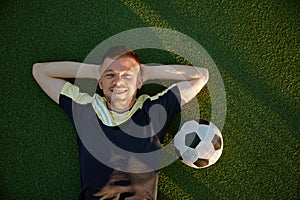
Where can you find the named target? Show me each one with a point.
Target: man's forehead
(122, 64)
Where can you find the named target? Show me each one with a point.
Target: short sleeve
(71, 94)
(65, 102)
(170, 99)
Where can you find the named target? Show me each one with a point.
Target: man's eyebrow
(108, 70)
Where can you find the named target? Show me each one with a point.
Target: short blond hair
(117, 52)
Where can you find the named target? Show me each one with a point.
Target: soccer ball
(199, 143)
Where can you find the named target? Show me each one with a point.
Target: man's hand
(114, 192)
(144, 72)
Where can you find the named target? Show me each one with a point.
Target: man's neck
(120, 107)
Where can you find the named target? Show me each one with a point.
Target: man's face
(119, 81)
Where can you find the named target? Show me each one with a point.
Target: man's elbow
(205, 75)
(34, 69)
(37, 70)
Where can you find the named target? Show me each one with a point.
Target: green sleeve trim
(162, 93)
(73, 92)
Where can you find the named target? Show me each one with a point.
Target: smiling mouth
(118, 90)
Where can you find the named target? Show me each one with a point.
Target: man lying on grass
(127, 121)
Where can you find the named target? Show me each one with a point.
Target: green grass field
(255, 45)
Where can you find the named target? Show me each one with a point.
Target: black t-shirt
(114, 148)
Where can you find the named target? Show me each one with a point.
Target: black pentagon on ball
(203, 121)
(192, 140)
(217, 142)
(201, 162)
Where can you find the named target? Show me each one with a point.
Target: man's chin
(120, 107)
(119, 100)
(118, 97)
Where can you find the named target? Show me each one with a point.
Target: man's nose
(118, 79)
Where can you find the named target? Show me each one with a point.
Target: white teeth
(118, 91)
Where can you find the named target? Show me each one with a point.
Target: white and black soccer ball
(199, 143)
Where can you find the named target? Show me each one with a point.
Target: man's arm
(190, 79)
(50, 76)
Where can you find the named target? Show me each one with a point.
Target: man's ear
(100, 83)
(140, 82)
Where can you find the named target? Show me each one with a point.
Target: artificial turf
(254, 44)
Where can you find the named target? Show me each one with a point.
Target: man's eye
(127, 76)
(109, 75)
